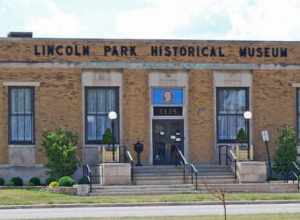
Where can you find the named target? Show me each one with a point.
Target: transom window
(21, 115)
(100, 101)
(231, 105)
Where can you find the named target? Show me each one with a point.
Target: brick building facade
(164, 91)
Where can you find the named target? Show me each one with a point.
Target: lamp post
(266, 139)
(248, 116)
(112, 115)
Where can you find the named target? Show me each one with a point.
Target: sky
(154, 19)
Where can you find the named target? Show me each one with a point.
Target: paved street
(41, 213)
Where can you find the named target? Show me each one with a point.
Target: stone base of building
(115, 174)
(25, 172)
(251, 171)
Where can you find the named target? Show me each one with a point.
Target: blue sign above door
(167, 96)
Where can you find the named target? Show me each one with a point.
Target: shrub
(107, 137)
(83, 180)
(2, 181)
(60, 147)
(66, 181)
(34, 181)
(16, 181)
(286, 152)
(49, 180)
(54, 184)
(241, 136)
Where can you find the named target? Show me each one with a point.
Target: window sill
(21, 145)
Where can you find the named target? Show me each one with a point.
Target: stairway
(159, 180)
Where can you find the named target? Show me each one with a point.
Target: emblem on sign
(167, 96)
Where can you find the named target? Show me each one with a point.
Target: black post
(113, 138)
(248, 137)
(269, 160)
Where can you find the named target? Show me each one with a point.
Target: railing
(193, 169)
(182, 161)
(295, 173)
(129, 158)
(229, 157)
(88, 174)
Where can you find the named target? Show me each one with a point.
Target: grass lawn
(231, 217)
(34, 196)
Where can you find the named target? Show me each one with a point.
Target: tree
(286, 152)
(60, 147)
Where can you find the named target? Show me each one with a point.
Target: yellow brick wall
(201, 116)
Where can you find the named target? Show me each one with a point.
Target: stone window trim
(22, 145)
(22, 84)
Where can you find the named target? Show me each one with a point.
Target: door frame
(167, 120)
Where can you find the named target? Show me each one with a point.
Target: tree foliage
(286, 152)
(60, 147)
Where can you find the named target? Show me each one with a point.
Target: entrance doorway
(167, 134)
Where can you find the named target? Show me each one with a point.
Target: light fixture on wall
(248, 116)
(112, 115)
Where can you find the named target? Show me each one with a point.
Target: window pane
(111, 100)
(102, 124)
(27, 100)
(91, 127)
(229, 125)
(91, 101)
(101, 105)
(232, 101)
(28, 128)
(14, 128)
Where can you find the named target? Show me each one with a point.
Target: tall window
(21, 115)
(100, 101)
(231, 105)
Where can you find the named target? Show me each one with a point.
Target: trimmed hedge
(16, 181)
(2, 181)
(66, 181)
(34, 181)
(83, 180)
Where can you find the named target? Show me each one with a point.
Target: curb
(148, 204)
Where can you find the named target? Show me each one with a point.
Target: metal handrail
(183, 162)
(230, 156)
(194, 171)
(88, 174)
(296, 174)
(131, 161)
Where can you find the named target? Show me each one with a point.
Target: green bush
(107, 137)
(49, 180)
(66, 181)
(2, 181)
(83, 180)
(60, 147)
(241, 136)
(286, 152)
(54, 184)
(34, 181)
(16, 181)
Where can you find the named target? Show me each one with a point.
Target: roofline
(148, 40)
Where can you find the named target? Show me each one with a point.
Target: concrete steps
(143, 189)
(164, 175)
(159, 180)
(189, 188)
